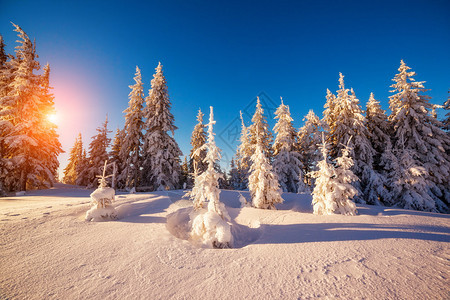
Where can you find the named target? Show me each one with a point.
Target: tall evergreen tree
(333, 192)
(29, 139)
(418, 136)
(132, 142)
(49, 148)
(5, 122)
(447, 116)
(197, 165)
(3, 56)
(223, 180)
(259, 129)
(210, 227)
(349, 122)
(82, 169)
(116, 157)
(206, 187)
(379, 128)
(329, 114)
(287, 161)
(235, 182)
(161, 163)
(75, 157)
(18, 105)
(411, 186)
(379, 136)
(243, 155)
(263, 182)
(184, 173)
(308, 141)
(98, 154)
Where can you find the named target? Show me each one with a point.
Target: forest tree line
(399, 159)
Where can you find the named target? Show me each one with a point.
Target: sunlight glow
(53, 118)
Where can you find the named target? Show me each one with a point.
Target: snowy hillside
(48, 251)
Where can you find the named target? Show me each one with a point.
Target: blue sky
(226, 53)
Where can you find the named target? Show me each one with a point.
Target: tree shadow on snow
(139, 212)
(373, 210)
(332, 232)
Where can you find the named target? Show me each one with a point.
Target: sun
(52, 118)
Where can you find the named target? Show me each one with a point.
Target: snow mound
(202, 228)
(179, 224)
(102, 210)
(244, 201)
(209, 229)
(101, 214)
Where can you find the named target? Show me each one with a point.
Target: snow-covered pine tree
(197, 165)
(210, 227)
(344, 191)
(380, 138)
(410, 190)
(206, 186)
(321, 201)
(15, 105)
(184, 173)
(223, 180)
(243, 154)
(75, 156)
(348, 121)
(97, 153)
(4, 69)
(3, 56)
(161, 154)
(235, 182)
(308, 141)
(82, 170)
(333, 191)
(31, 142)
(117, 159)
(287, 161)
(46, 156)
(419, 137)
(101, 200)
(5, 122)
(329, 114)
(133, 136)
(263, 182)
(259, 124)
(446, 121)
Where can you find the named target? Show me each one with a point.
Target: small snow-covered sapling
(101, 200)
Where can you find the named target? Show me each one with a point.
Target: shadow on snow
(333, 232)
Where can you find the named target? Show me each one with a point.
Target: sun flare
(53, 118)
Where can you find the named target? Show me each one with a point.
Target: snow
(101, 214)
(103, 193)
(210, 230)
(47, 250)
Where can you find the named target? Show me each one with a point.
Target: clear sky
(225, 53)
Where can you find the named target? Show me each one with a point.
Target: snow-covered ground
(48, 251)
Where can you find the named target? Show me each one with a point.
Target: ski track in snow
(48, 251)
